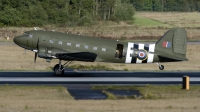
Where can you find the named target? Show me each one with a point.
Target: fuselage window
(104, 49)
(69, 44)
(77, 45)
(51, 41)
(86, 47)
(49, 52)
(94, 48)
(60, 42)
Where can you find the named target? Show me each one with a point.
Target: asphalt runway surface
(98, 77)
(79, 83)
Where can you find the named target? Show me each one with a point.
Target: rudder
(180, 41)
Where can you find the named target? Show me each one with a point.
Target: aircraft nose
(21, 41)
(18, 40)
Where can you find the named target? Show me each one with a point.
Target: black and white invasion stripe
(131, 59)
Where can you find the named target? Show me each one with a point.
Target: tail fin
(173, 45)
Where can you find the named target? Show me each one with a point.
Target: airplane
(171, 47)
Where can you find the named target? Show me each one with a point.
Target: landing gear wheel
(161, 67)
(58, 71)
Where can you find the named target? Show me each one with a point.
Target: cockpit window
(27, 34)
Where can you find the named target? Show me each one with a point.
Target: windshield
(27, 34)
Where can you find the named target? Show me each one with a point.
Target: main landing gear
(161, 67)
(59, 68)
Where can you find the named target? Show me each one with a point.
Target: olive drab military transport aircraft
(171, 47)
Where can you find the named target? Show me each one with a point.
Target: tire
(161, 67)
(56, 70)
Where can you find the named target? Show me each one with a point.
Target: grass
(146, 22)
(90, 67)
(110, 96)
(178, 19)
(39, 92)
(57, 99)
(154, 92)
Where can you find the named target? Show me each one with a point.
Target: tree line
(63, 12)
(166, 5)
(83, 12)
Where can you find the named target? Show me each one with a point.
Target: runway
(98, 77)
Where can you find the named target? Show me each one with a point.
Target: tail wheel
(58, 70)
(161, 67)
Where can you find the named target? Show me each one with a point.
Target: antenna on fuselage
(80, 33)
(36, 28)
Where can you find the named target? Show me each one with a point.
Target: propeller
(36, 53)
(35, 57)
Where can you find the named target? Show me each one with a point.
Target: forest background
(28, 13)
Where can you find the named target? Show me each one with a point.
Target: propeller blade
(36, 53)
(37, 43)
(35, 58)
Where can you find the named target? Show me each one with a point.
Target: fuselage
(114, 51)
(171, 47)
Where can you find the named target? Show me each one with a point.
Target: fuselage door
(119, 51)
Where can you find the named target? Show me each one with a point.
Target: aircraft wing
(78, 56)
